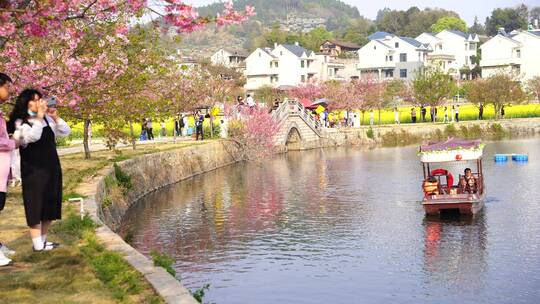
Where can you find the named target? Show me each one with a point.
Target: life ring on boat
(449, 176)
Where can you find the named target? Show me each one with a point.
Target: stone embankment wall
(108, 201)
(154, 171)
(405, 134)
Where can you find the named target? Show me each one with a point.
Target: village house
(388, 56)
(336, 48)
(452, 51)
(288, 65)
(230, 58)
(515, 54)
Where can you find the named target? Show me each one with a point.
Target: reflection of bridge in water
(298, 129)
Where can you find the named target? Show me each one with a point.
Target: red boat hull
(465, 204)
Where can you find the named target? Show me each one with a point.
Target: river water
(347, 226)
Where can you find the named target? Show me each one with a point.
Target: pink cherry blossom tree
(309, 91)
(78, 51)
(41, 41)
(253, 129)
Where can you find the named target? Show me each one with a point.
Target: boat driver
(468, 182)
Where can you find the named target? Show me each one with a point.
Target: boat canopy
(451, 150)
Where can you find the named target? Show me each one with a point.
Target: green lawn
(82, 270)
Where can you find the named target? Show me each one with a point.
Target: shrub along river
(347, 226)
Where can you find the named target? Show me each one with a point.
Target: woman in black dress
(36, 127)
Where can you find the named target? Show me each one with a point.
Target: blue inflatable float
(500, 158)
(520, 157)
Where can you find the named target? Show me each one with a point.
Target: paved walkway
(99, 145)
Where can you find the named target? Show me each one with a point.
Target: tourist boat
(441, 193)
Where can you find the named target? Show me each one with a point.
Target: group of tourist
(250, 102)
(453, 116)
(147, 129)
(181, 126)
(32, 130)
(467, 185)
(330, 121)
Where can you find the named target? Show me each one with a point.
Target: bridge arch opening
(294, 139)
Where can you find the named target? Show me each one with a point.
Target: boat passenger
(468, 183)
(431, 186)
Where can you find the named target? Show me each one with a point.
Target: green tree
(268, 94)
(498, 90)
(533, 86)
(534, 13)
(412, 22)
(449, 23)
(508, 18)
(394, 92)
(477, 27)
(315, 38)
(432, 86)
(357, 32)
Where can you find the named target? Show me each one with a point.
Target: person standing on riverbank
(432, 113)
(199, 120)
(177, 125)
(453, 113)
(457, 113)
(371, 117)
(423, 112)
(163, 129)
(413, 115)
(143, 130)
(445, 120)
(481, 112)
(7, 146)
(37, 127)
(396, 116)
(149, 129)
(250, 101)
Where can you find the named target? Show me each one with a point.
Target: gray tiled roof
(460, 33)
(386, 45)
(297, 50)
(240, 53)
(378, 35)
(269, 52)
(411, 41)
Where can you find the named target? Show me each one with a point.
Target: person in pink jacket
(6, 146)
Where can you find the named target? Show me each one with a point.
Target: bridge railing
(291, 106)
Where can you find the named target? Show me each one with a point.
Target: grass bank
(403, 136)
(82, 270)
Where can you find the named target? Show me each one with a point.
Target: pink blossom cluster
(309, 91)
(41, 41)
(256, 132)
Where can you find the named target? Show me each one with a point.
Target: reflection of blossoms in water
(346, 222)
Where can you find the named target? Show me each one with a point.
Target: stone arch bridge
(297, 128)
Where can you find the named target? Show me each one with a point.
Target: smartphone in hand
(52, 102)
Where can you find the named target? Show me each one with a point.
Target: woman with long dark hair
(36, 127)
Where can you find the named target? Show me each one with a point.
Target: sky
(467, 9)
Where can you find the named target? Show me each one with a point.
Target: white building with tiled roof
(515, 54)
(453, 51)
(229, 58)
(388, 56)
(287, 65)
